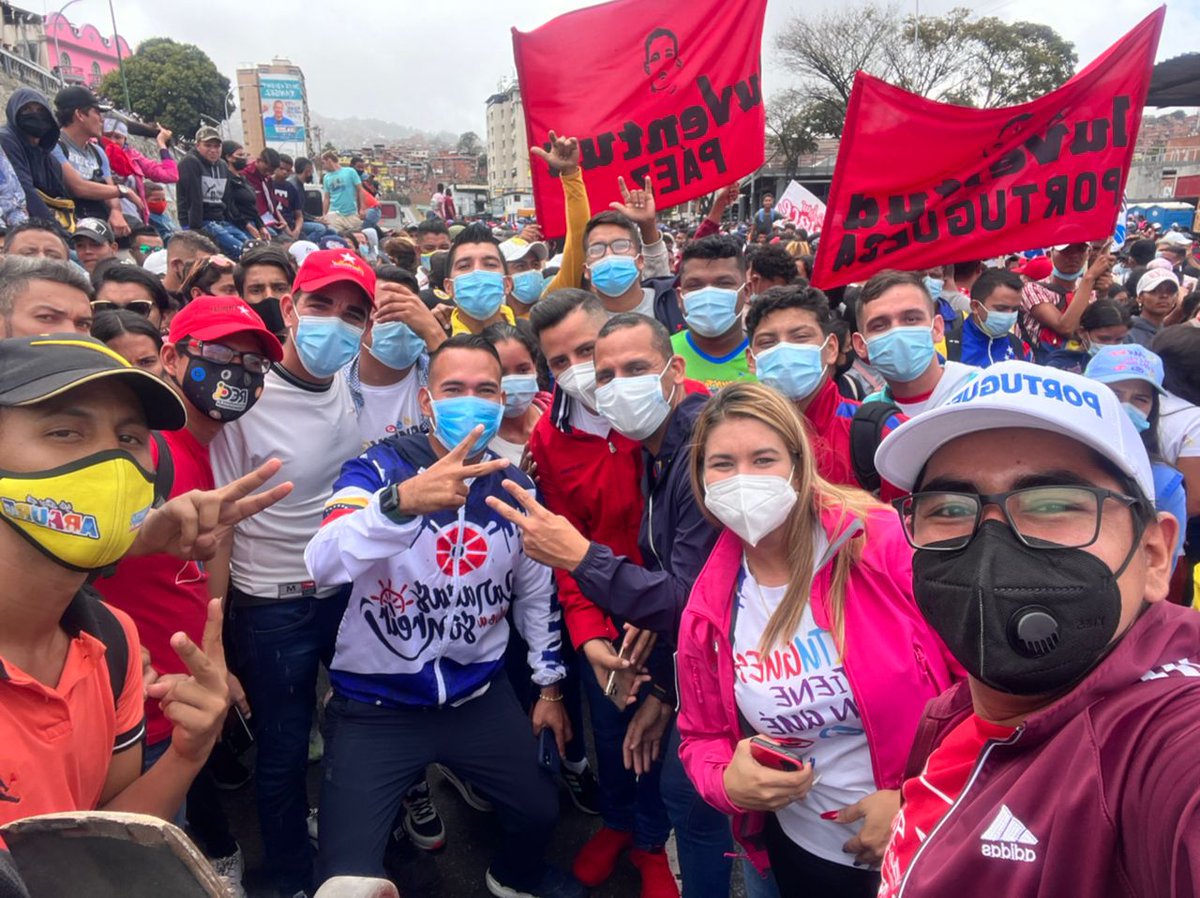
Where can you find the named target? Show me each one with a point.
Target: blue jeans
(228, 238)
(757, 885)
(373, 755)
(314, 231)
(702, 833)
(371, 219)
(277, 648)
(164, 225)
(628, 803)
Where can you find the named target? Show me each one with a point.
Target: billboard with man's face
(281, 102)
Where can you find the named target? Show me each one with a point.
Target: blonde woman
(802, 631)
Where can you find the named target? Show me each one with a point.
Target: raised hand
(395, 302)
(547, 537)
(443, 485)
(638, 206)
(722, 200)
(563, 155)
(196, 703)
(194, 525)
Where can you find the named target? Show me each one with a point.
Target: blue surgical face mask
(1140, 421)
(934, 286)
(479, 293)
(794, 369)
(1094, 348)
(710, 311)
(395, 344)
(519, 390)
(527, 286)
(614, 275)
(326, 344)
(455, 418)
(1066, 277)
(998, 323)
(901, 354)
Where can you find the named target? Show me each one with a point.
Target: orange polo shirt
(56, 742)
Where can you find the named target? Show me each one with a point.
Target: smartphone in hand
(775, 756)
(548, 757)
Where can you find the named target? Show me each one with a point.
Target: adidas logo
(1006, 837)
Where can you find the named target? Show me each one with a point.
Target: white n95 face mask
(751, 505)
(579, 382)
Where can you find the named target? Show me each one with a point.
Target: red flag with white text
(651, 88)
(920, 183)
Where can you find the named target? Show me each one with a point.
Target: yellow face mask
(84, 515)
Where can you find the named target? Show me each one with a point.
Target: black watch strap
(389, 504)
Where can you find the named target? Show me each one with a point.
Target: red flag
(920, 183)
(652, 88)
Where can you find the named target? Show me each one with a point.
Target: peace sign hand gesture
(194, 525)
(196, 703)
(443, 485)
(548, 538)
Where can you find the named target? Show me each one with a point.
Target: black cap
(71, 98)
(34, 369)
(94, 229)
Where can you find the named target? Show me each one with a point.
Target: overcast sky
(432, 63)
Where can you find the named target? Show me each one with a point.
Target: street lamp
(57, 55)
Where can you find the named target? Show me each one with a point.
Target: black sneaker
(466, 790)
(583, 789)
(421, 821)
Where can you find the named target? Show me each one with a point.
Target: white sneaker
(312, 826)
(231, 869)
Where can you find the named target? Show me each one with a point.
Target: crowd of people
(875, 590)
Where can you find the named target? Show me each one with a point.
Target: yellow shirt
(570, 274)
(459, 326)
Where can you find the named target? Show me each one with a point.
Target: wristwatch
(389, 504)
(122, 191)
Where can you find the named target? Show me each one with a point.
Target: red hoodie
(827, 420)
(1096, 796)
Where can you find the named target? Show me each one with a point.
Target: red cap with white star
(210, 318)
(331, 266)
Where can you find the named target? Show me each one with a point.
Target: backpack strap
(1017, 345)
(866, 433)
(103, 625)
(164, 474)
(953, 338)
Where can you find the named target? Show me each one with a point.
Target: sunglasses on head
(218, 261)
(141, 306)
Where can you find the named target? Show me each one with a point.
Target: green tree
(794, 123)
(955, 58)
(468, 143)
(171, 83)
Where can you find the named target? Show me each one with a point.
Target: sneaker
(312, 826)
(657, 879)
(554, 884)
(466, 790)
(598, 857)
(421, 820)
(230, 871)
(583, 789)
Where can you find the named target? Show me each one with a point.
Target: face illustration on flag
(651, 89)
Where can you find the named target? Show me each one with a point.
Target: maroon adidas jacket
(1102, 788)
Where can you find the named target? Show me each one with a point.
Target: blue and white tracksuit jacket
(426, 623)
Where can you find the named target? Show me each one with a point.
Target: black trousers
(799, 872)
(373, 755)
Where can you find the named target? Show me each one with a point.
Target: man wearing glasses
(619, 254)
(122, 286)
(1065, 765)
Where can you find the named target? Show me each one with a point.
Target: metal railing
(28, 72)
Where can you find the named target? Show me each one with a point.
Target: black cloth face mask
(1023, 621)
(223, 392)
(269, 311)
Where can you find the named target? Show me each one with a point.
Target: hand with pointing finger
(196, 703)
(547, 537)
(443, 485)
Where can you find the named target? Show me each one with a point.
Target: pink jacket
(163, 170)
(894, 661)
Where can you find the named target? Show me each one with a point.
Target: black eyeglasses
(1042, 517)
(220, 354)
(141, 306)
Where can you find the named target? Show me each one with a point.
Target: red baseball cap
(213, 317)
(331, 266)
(1036, 269)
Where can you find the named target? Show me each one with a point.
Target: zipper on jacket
(949, 811)
(650, 530)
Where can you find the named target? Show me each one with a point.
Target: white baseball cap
(515, 248)
(1149, 281)
(300, 250)
(156, 262)
(1019, 394)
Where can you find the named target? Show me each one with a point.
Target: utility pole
(120, 60)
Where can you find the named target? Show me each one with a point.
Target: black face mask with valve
(1020, 620)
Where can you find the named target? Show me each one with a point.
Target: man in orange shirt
(75, 497)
